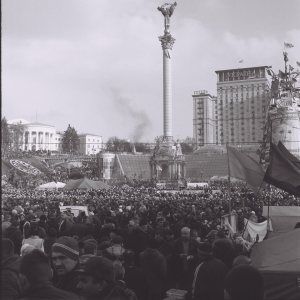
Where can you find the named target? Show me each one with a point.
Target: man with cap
(209, 275)
(65, 261)
(97, 281)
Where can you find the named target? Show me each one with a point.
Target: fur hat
(68, 246)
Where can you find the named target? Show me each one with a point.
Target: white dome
(18, 121)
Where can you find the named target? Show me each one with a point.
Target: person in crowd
(223, 249)
(97, 281)
(134, 277)
(209, 276)
(154, 266)
(36, 268)
(116, 250)
(34, 239)
(244, 282)
(185, 259)
(50, 239)
(11, 282)
(14, 233)
(65, 261)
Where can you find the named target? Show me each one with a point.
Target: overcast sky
(97, 64)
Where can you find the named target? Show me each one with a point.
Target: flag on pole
(293, 159)
(244, 167)
(288, 45)
(282, 172)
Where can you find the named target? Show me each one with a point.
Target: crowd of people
(134, 243)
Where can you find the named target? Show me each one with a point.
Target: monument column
(167, 42)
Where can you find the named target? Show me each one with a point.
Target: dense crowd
(134, 243)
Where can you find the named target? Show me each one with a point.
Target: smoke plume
(139, 119)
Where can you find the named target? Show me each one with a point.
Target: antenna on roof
(36, 116)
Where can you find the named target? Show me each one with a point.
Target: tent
(51, 186)
(85, 184)
(278, 259)
(283, 218)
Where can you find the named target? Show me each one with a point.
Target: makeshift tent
(283, 218)
(85, 184)
(278, 259)
(51, 186)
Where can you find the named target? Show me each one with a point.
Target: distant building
(90, 144)
(241, 105)
(204, 123)
(36, 135)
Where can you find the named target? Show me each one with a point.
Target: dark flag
(282, 172)
(243, 166)
(289, 155)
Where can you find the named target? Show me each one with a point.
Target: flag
(298, 63)
(288, 45)
(282, 171)
(240, 61)
(293, 159)
(243, 166)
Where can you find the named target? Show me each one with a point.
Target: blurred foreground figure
(97, 281)
(36, 268)
(244, 282)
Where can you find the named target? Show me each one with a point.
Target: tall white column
(167, 42)
(167, 104)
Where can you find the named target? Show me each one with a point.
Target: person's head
(65, 255)
(90, 246)
(96, 275)
(36, 267)
(244, 282)
(7, 248)
(185, 234)
(204, 250)
(223, 249)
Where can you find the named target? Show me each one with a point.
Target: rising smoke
(139, 119)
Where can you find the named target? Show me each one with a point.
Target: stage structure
(167, 163)
(283, 119)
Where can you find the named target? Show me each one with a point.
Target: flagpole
(229, 185)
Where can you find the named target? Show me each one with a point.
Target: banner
(253, 229)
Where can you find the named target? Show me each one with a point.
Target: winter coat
(46, 291)
(208, 283)
(11, 282)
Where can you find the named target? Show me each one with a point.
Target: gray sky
(97, 64)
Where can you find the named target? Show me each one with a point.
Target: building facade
(241, 105)
(90, 144)
(36, 136)
(204, 121)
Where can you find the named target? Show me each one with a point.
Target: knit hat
(68, 246)
(100, 268)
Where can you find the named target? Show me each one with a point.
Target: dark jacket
(46, 291)
(136, 281)
(117, 291)
(11, 282)
(208, 283)
(67, 282)
(183, 268)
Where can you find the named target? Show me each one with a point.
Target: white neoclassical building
(38, 136)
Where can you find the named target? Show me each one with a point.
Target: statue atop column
(167, 10)
(167, 41)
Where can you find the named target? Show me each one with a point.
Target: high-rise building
(204, 124)
(241, 105)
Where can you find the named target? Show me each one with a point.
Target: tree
(70, 140)
(17, 131)
(6, 137)
(114, 144)
(187, 145)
